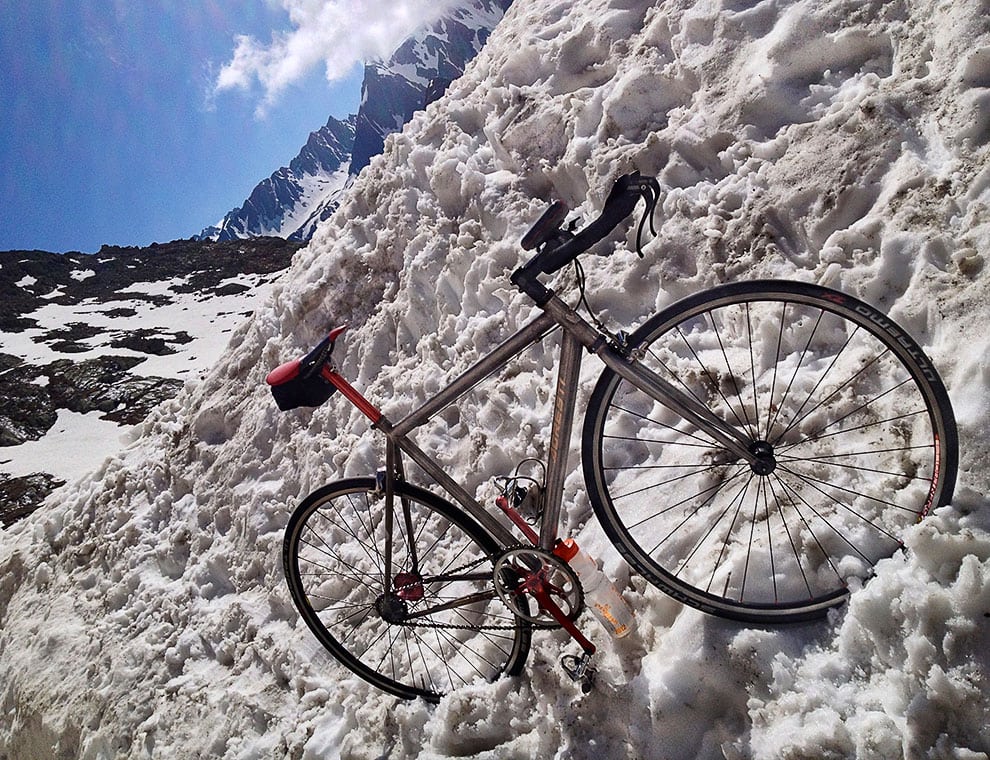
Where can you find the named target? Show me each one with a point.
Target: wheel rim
(848, 454)
(381, 626)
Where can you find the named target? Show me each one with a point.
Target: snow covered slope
(143, 612)
(90, 343)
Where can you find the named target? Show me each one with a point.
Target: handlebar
(559, 247)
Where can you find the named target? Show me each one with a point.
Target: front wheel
(852, 429)
(404, 597)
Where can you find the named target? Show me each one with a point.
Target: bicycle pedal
(579, 669)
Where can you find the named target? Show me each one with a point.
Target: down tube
(649, 382)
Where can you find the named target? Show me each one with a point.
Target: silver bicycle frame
(577, 334)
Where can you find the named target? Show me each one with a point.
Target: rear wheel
(852, 431)
(416, 614)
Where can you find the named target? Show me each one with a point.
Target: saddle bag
(300, 382)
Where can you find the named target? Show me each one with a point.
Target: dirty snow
(143, 611)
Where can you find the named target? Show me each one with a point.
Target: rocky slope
(79, 332)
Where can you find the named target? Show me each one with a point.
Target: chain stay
(462, 627)
(454, 626)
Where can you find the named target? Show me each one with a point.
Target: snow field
(175, 313)
(144, 613)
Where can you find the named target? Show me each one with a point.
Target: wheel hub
(765, 462)
(391, 608)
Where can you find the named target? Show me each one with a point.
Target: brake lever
(649, 191)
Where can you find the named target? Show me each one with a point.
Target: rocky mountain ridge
(296, 198)
(280, 205)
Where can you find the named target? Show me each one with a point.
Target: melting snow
(143, 610)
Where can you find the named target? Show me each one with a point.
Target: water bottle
(605, 602)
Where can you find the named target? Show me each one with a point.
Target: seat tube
(568, 373)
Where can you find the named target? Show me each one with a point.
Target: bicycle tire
(335, 569)
(861, 437)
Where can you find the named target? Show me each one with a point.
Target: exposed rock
(22, 496)
(26, 409)
(31, 394)
(104, 385)
(146, 341)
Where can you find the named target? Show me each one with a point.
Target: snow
(76, 445)
(79, 443)
(315, 192)
(143, 610)
(208, 320)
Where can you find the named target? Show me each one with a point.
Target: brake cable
(651, 194)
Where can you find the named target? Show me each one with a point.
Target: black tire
(334, 560)
(855, 426)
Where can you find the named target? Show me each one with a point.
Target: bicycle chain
(454, 626)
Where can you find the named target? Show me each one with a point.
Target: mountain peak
(296, 198)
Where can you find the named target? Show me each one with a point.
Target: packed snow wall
(143, 611)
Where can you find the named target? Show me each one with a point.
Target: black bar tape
(620, 203)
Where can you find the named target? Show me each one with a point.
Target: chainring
(518, 567)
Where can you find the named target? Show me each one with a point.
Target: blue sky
(126, 122)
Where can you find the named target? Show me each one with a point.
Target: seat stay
(433, 468)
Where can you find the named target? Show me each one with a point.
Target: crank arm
(547, 603)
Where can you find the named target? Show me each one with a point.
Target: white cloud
(333, 33)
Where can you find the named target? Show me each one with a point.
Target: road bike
(752, 450)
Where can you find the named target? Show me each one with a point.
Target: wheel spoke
(440, 626)
(851, 434)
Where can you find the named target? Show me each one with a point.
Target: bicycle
(752, 450)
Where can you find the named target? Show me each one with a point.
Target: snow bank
(143, 611)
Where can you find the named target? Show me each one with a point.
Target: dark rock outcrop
(31, 394)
